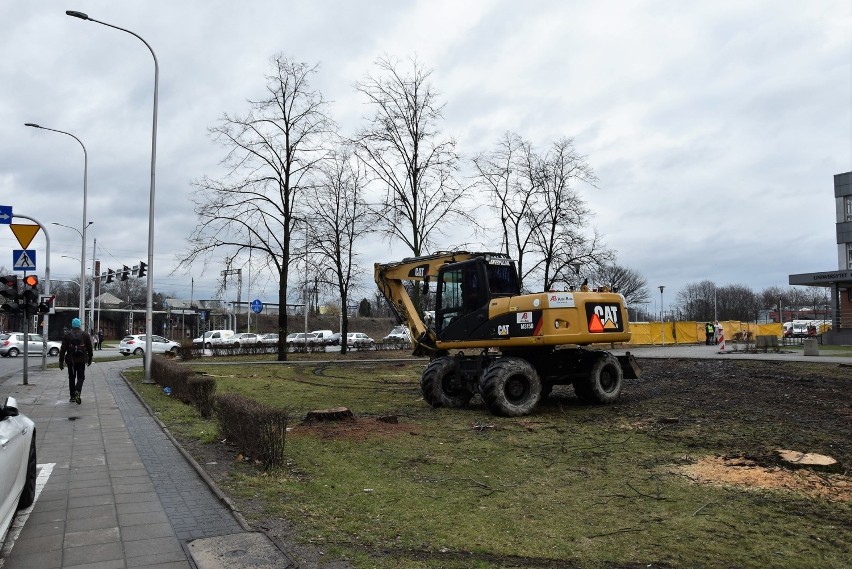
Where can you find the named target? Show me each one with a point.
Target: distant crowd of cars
(12, 343)
(229, 339)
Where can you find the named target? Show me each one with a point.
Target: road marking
(21, 517)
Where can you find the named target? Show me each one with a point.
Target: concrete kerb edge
(201, 472)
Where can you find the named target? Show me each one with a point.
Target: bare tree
(511, 178)
(272, 152)
(632, 285)
(406, 152)
(696, 301)
(339, 219)
(737, 302)
(545, 219)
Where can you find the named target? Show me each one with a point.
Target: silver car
(135, 344)
(12, 344)
(18, 465)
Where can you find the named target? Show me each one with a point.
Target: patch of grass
(183, 420)
(571, 485)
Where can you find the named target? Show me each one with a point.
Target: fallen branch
(695, 513)
(618, 531)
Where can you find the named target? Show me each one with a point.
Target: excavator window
(502, 280)
(462, 290)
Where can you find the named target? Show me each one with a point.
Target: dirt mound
(747, 473)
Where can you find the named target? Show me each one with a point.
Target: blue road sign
(256, 306)
(5, 214)
(23, 259)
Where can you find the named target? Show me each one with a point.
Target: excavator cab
(464, 291)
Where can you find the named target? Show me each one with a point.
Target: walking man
(76, 353)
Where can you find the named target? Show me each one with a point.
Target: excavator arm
(390, 278)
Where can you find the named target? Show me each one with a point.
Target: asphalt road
(9, 365)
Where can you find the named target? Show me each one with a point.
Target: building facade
(839, 281)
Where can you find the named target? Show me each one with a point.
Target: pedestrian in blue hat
(76, 353)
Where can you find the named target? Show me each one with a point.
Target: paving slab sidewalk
(114, 490)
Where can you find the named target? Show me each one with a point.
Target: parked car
(18, 468)
(323, 336)
(300, 339)
(214, 338)
(398, 335)
(334, 340)
(359, 340)
(270, 339)
(12, 344)
(245, 339)
(135, 344)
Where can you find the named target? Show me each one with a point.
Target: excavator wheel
(602, 384)
(510, 387)
(441, 386)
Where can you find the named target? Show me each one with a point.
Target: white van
(323, 336)
(214, 338)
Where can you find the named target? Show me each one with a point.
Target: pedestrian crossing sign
(24, 259)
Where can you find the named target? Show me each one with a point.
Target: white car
(300, 339)
(270, 339)
(135, 344)
(398, 335)
(359, 340)
(245, 339)
(12, 344)
(323, 336)
(18, 465)
(214, 339)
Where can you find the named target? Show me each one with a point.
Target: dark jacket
(87, 346)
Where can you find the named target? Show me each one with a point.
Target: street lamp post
(82, 268)
(662, 314)
(85, 222)
(149, 301)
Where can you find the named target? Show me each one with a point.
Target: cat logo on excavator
(604, 318)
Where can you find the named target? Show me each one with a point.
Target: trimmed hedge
(258, 430)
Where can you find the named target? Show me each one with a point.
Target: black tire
(53, 352)
(138, 352)
(603, 383)
(440, 385)
(510, 387)
(208, 346)
(13, 352)
(29, 491)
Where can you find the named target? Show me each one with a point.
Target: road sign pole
(46, 327)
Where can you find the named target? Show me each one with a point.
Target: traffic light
(125, 273)
(45, 305)
(110, 276)
(142, 268)
(9, 293)
(29, 295)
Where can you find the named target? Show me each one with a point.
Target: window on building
(848, 202)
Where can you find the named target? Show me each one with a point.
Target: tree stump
(333, 414)
(811, 460)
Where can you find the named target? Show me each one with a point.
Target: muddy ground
(746, 409)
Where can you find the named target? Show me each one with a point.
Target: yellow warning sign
(24, 233)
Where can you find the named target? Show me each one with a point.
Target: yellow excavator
(511, 348)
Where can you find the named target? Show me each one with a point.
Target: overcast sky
(715, 128)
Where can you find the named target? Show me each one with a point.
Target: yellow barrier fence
(651, 333)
